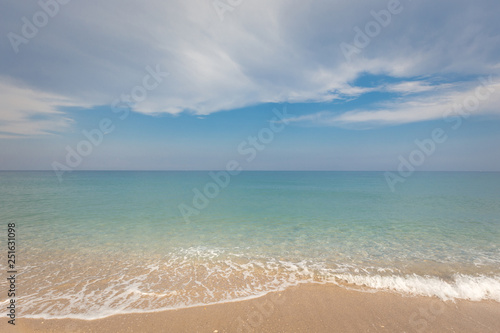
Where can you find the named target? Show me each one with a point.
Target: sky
(274, 85)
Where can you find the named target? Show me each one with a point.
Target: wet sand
(305, 308)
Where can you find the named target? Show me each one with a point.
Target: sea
(99, 243)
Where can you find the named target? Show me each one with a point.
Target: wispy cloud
(418, 108)
(27, 112)
(414, 87)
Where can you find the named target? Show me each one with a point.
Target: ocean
(100, 243)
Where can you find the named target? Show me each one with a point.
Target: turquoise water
(100, 243)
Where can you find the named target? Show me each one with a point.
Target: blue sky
(361, 84)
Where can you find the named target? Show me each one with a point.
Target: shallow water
(101, 243)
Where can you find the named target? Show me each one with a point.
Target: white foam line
(133, 294)
(464, 287)
(473, 288)
(110, 313)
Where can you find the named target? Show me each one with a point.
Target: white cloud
(26, 112)
(479, 100)
(413, 87)
(263, 51)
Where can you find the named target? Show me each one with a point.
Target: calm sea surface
(101, 243)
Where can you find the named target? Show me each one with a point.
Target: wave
(473, 288)
(193, 277)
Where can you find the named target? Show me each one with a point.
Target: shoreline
(303, 308)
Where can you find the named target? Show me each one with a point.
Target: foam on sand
(195, 276)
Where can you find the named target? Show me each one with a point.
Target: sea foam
(194, 277)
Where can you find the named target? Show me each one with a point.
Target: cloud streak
(27, 112)
(480, 100)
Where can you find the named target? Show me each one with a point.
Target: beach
(305, 308)
(250, 166)
(273, 252)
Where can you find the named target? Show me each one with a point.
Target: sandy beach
(305, 308)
